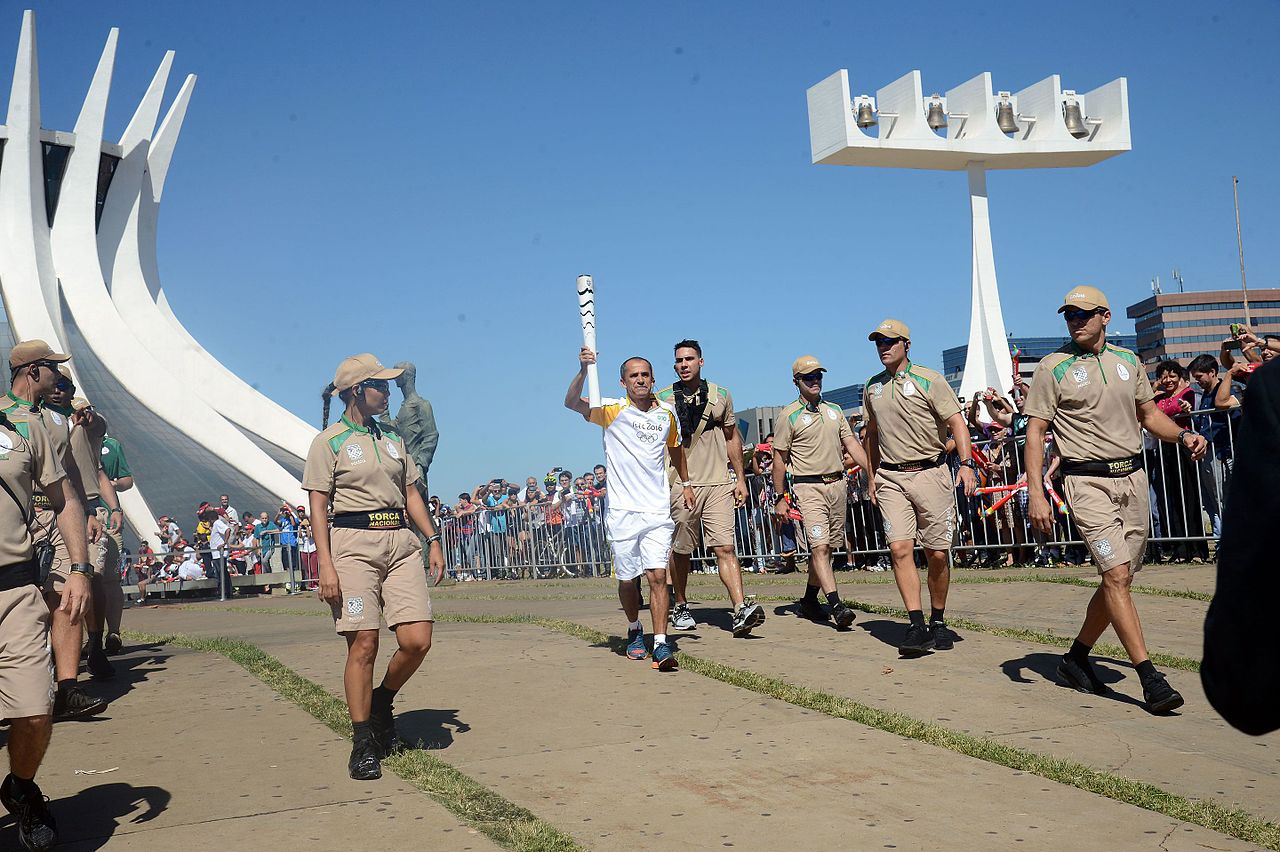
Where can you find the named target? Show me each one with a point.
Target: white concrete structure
(78, 268)
(1045, 126)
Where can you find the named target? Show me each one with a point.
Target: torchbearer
(910, 409)
(1096, 395)
(638, 523)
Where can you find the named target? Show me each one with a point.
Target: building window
(55, 164)
(106, 171)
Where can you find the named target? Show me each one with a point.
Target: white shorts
(641, 541)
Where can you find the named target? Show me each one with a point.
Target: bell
(936, 118)
(865, 116)
(1075, 122)
(1004, 118)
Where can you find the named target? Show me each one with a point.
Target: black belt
(824, 478)
(911, 466)
(1112, 468)
(19, 574)
(380, 519)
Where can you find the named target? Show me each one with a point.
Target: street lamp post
(971, 128)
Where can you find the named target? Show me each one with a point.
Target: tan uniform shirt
(57, 426)
(27, 460)
(813, 438)
(911, 409)
(360, 472)
(708, 457)
(1092, 401)
(87, 454)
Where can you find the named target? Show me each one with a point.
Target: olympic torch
(587, 309)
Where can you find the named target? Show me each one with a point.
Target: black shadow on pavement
(430, 729)
(1046, 666)
(792, 610)
(131, 670)
(88, 819)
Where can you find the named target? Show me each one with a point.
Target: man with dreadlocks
(370, 561)
(709, 434)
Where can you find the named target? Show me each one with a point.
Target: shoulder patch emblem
(392, 451)
(355, 452)
(56, 418)
(831, 412)
(908, 388)
(877, 389)
(6, 444)
(106, 451)
(1123, 372)
(1080, 374)
(806, 419)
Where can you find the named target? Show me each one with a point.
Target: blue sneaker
(635, 645)
(663, 659)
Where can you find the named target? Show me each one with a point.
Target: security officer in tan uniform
(36, 382)
(27, 461)
(370, 562)
(88, 430)
(713, 445)
(809, 437)
(1096, 396)
(909, 410)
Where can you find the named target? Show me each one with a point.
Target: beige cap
(66, 373)
(31, 351)
(79, 403)
(1084, 297)
(806, 364)
(891, 328)
(356, 369)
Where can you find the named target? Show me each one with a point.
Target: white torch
(587, 308)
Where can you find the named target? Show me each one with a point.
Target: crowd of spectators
(222, 536)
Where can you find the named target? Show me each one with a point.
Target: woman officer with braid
(370, 561)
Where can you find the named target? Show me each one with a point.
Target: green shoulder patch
(666, 394)
(23, 428)
(1126, 354)
(336, 442)
(921, 381)
(1060, 369)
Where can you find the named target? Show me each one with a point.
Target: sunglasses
(811, 378)
(886, 341)
(64, 385)
(1081, 316)
(379, 385)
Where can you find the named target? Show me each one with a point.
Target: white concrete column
(987, 362)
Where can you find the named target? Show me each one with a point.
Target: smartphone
(1232, 345)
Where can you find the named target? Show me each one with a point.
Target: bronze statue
(415, 422)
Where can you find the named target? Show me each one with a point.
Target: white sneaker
(680, 618)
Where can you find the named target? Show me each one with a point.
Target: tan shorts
(106, 554)
(713, 507)
(822, 510)
(45, 524)
(918, 505)
(1112, 516)
(382, 575)
(26, 682)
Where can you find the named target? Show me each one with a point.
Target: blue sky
(426, 180)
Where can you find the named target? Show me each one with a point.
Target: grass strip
(505, 822)
(1205, 813)
(1041, 637)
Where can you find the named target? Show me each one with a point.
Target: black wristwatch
(969, 463)
(82, 568)
(1184, 433)
(432, 539)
